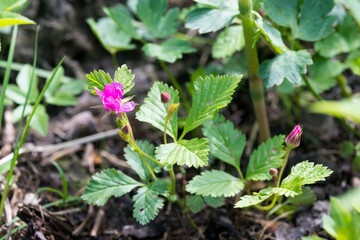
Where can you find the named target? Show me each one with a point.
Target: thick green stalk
(255, 83)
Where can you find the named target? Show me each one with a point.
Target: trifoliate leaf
(98, 79)
(304, 173)
(111, 37)
(314, 24)
(136, 162)
(121, 15)
(195, 203)
(289, 65)
(153, 111)
(210, 94)
(169, 50)
(348, 108)
(268, 155)
(146, 205)
(249, 200)
(11, 18)
(106, 184)
(226, 142)
(210, 19)
(190, 152)
(152, 13)
(123, 75)
(323, 73)
(214, 202)
(272, 35)
(230, 40)
(215, 183)
(345, 40)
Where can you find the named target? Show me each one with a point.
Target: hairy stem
(255, 83)
(288, 150)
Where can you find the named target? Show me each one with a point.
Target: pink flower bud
(165, 97)
(273, 171)
(293, 139)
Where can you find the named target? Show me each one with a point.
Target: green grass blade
(7, 71)
(64, 182)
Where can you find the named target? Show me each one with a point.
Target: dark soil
(65, 32)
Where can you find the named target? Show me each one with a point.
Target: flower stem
(166, 122)
(114, 60)
(255, 83)
(288, 150)
(176, 84)
(147, 165)
(269, 206)
(173, 181)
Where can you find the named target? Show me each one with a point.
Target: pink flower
(112, 98)
(293, 139)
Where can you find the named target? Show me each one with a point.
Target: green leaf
(40, 120)
(268, 155)
(121, 15)
(307, 197)
(14, 93)
(190, 152)
(106, 184)
(219, 14)
(169, 50)
(195, 203)
(98, 79)
(314, 237)
(23, 81)
(11, 18)
(16, 114)
(123, 75)
(249, 200)
(272, 35)
(228, 42)
(137, 163)
(111, 37)
(160, 186)
(12, 5)
(215, 183)
(54, 85)
(343, 223)
(73, 87)
(353, 62)
(146, 205)
(314, 23)
(152, 13)
(153, 111)
(323, 73)
(353, 6)
(226, 142)
(214, 202)
(289, 65)
(210, 94)
(304, 173)
(62, 99)
(347, 108)
(346, 40)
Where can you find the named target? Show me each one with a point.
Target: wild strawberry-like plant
(160, 109)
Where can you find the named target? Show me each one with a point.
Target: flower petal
(119, 89)
(111, 103)
(110, 91)
(127, 107)
(99, 93)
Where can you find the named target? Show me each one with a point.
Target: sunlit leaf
(123, 75)
(11, 18)
(230, 40)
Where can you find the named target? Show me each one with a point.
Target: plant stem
(255, 83)
(342, 83)
(7, 72)
(17, 148)
(176, 84)
(288, 150)
(240, 173)
(148, 166)
(166, 122)
(269, 206)
(173, 181)
(310, 87)
(114, 60)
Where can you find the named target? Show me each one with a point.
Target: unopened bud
(173, 108)
(273, 172)
(293, 139)
(165, 97)
(125, 129)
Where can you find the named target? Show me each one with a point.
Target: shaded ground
(64, 32)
